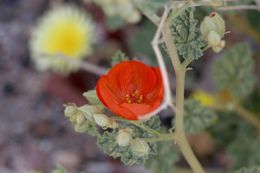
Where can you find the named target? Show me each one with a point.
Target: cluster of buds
(213, 30)
(88, 113)
(124, 9)
(138, 146)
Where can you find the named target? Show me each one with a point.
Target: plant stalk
(180, 71)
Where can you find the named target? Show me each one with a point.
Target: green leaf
(140, 40)
(154, 123)
(226, 130)
(92, 97)
(164, 161)
(115, 22)
(186, 33)
(245, 150)
(119, 57)
(253, 169)
(197, 117)
(234, 71)
(107, 142)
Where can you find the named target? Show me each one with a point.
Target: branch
(239, 7)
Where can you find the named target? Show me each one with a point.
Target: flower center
(135, 97)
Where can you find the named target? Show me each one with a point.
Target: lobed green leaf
(234, 71)
(187, 36)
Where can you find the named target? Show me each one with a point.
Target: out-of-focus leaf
(225, 131)
(186, 33)
(197, 117)
(92, 97)
(119, 57)
(253, 102)
(164, 161)
(59, 169)
(244, 148)
(234, 71)
(115, 22)
(253, 169)
(141, 38)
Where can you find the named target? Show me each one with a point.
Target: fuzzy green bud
(70, 110)
(88, 111)
(213, 22)
(124, 137)
(213, 38)
(139, 147)
(102, 120)
(215, 41)
(80, 118)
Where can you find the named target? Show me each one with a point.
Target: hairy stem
(182, 139)
(180, 71)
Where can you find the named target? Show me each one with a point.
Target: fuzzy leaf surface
(197, 117)
(234, 71)
(186, 33)
(164, 161)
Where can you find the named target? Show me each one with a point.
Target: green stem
(180, 71)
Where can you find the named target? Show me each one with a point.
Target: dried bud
(70, 110)
(124, 137)
(102, 120)
(213, 22)
(139, 147)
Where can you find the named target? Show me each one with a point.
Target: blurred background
(34, 135)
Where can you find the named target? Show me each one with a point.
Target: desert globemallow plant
(122, 111)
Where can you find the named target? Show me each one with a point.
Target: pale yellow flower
(64, 31)
(205, 98)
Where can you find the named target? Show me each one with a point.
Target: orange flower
(131, 89)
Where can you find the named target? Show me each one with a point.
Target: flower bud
(80, 118)
(213, 39)
(139, 147)
(113, 124)
(88, 111)
(70, 110)
(124, 137)
(213, 22)
(102, 120)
